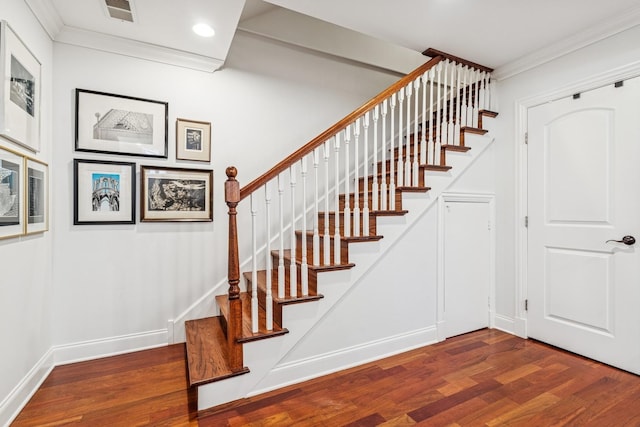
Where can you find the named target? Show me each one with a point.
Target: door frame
(489, 199)
(521, 161)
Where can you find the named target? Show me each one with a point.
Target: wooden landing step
(207, 353)
(247, 334)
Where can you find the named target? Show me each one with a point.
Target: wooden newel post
(234, 323)
(232, 198)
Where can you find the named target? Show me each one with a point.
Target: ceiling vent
(120, 9)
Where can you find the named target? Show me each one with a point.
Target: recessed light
(203, 30)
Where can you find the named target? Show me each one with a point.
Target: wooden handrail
(333, 130)
(434, 53)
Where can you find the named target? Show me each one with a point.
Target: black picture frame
(104, 192)
(120, 124)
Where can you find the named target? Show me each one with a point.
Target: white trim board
(577, 41)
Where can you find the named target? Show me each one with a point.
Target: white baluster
(470, 98)
(336, 230)
(281, 251)
(438, 136)
(459, 96)
(347, 179)
(489, 95)
(293, 268)
(476, 100)
(365, 175)
(450, 122)
(327, 233)
(432, 128)
(254, 267)
(268, 259)
(483, 88)
(383, 185)
(400, 160)
(463, 107)
(425, 120)
(356, 167)
(407, 147)
(392, 160)
(304, 265)
(444, 129)
(416, 135)
(316, 214)
(375, 187)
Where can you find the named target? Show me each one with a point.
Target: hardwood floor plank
(483, 378)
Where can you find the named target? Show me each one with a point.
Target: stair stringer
(265, 358)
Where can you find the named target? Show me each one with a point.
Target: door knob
(627, 240)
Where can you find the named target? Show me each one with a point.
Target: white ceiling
(495, 33)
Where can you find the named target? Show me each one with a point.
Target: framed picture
(104, 192)
(19, 91)
(37, 203)
(172, 194)
(118, 124)
(193, 140)
(11, 194)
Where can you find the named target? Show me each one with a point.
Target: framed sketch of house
(119, 124)
(37, 192)
(19, 91)
(173, 194)
(11, 194)
(104, 192)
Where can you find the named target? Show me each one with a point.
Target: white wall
(120, 284)
(25, 263)
(572, 70)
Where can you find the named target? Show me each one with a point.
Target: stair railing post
(234, 323)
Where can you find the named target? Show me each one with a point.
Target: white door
(467, 266)
(584, 189)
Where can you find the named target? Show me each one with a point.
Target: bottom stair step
(207, 353)
(247, 334)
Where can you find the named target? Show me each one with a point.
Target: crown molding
(136, 49)
(47, 15)
(593, 35)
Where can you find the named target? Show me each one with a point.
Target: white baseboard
(324, 364)
(94, 349)
(11, 406)
(517, 326)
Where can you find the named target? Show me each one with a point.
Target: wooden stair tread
(247, 334)
(330, 267)
(458, 148)
(488, 113)
(371, 213)
(207, 353)
(353, 239)
(437, 168)
(288, 299)
(411, 189)
(473, 130)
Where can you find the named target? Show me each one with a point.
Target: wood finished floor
(485, 378)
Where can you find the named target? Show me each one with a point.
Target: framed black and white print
(11, 194)
(19, 91)
(104, 192)
(119, 124)
(37, 202)
(173, 194)
(193, 140)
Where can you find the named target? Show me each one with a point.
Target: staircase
(333, 195)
